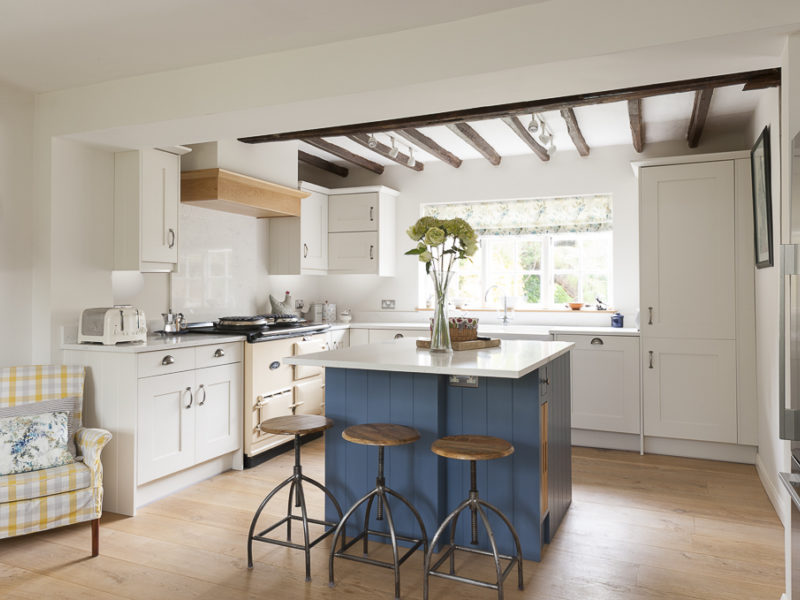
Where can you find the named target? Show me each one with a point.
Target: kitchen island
(519, 391)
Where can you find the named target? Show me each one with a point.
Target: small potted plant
(440, 243)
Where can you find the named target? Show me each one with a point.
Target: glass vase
(440, 326)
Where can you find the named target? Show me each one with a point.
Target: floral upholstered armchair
(50, 470)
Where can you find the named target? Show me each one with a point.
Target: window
(544, 252)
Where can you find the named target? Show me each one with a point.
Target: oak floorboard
(639, 528)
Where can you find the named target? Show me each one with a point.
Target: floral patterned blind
(570, 214)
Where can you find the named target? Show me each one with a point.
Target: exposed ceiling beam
(637, 127)
(753, 79)
(321, 163)
(384, 150)
(345, 154)
(568, 114)
(474, 139)
(421, 140)
(702, 101)
(518, 128)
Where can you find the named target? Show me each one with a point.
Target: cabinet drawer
(317, 343)
(218, 354)
(165, 361)
(387, 335)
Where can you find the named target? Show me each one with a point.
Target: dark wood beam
(421, 140)
(321, 163)
(345, 154)
(637, 127)
(518, 128)
(476, 140)
(383, 150)
(702, 101)
(762, 78)
(568, 114)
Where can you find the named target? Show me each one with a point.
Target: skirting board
(671, 447)
(778, 497)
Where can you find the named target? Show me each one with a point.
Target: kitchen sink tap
(505, 301)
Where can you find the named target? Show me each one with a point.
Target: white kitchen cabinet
(361, 231)
(690, 389)
(385, 335)
(175, 415)
(299, 245)
(687, 266)
(697, 310)
(359, 337)
(605, 382)
(338, 338)
(146, 198)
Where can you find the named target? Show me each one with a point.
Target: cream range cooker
(273, 388)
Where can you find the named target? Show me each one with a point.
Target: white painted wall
(16, 223)
(82, 237)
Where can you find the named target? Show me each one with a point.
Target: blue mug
(616, 320)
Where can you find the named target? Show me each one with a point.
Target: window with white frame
(543, 252)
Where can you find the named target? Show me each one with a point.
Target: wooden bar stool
(472, 448)
(295, 425)
(380, 435)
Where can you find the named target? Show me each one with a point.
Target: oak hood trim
(223, 190)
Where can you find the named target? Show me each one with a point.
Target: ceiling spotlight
(545, 137)
(411, 162)
(371, 141)
(395, 150)
(551, 148)
(533, 126)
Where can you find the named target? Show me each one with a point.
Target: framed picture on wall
(762, 200)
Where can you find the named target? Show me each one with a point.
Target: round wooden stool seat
(472, 447)
(380, 434)
(296, 424)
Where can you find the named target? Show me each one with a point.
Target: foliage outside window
(544, 252)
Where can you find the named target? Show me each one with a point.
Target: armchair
(62, 495)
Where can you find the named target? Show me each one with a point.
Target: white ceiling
(55, 44)
(666, 119)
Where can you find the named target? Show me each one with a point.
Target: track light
(544, 137)
(371, 141)
(395, 150)
(533, 126)
(411, 161)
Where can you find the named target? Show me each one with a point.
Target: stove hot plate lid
(243, 322)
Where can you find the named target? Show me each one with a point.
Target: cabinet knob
(191, 397)
(596, 342)
(171, 234)
(219, 353)
(398, 336)
(168, 360)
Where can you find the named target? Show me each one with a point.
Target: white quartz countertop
(158, 341)
(512, 359)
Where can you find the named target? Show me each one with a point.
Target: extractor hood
(227, 191)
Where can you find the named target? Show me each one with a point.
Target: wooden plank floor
(649, 528)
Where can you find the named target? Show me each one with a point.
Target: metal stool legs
(381, 492)
(476, 507)
(295, 481)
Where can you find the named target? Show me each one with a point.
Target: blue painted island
(519, 391)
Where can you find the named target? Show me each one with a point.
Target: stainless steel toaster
(113, 325)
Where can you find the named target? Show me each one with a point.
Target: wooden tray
(476, 344)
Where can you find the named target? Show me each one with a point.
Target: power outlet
(298, 304)
(387, 304)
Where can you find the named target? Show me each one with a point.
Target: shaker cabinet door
(165, 425)
(690, 389)
(218, 397)
(686, 239)
(159, 213)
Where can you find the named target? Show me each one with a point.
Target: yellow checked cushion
(45, 482)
